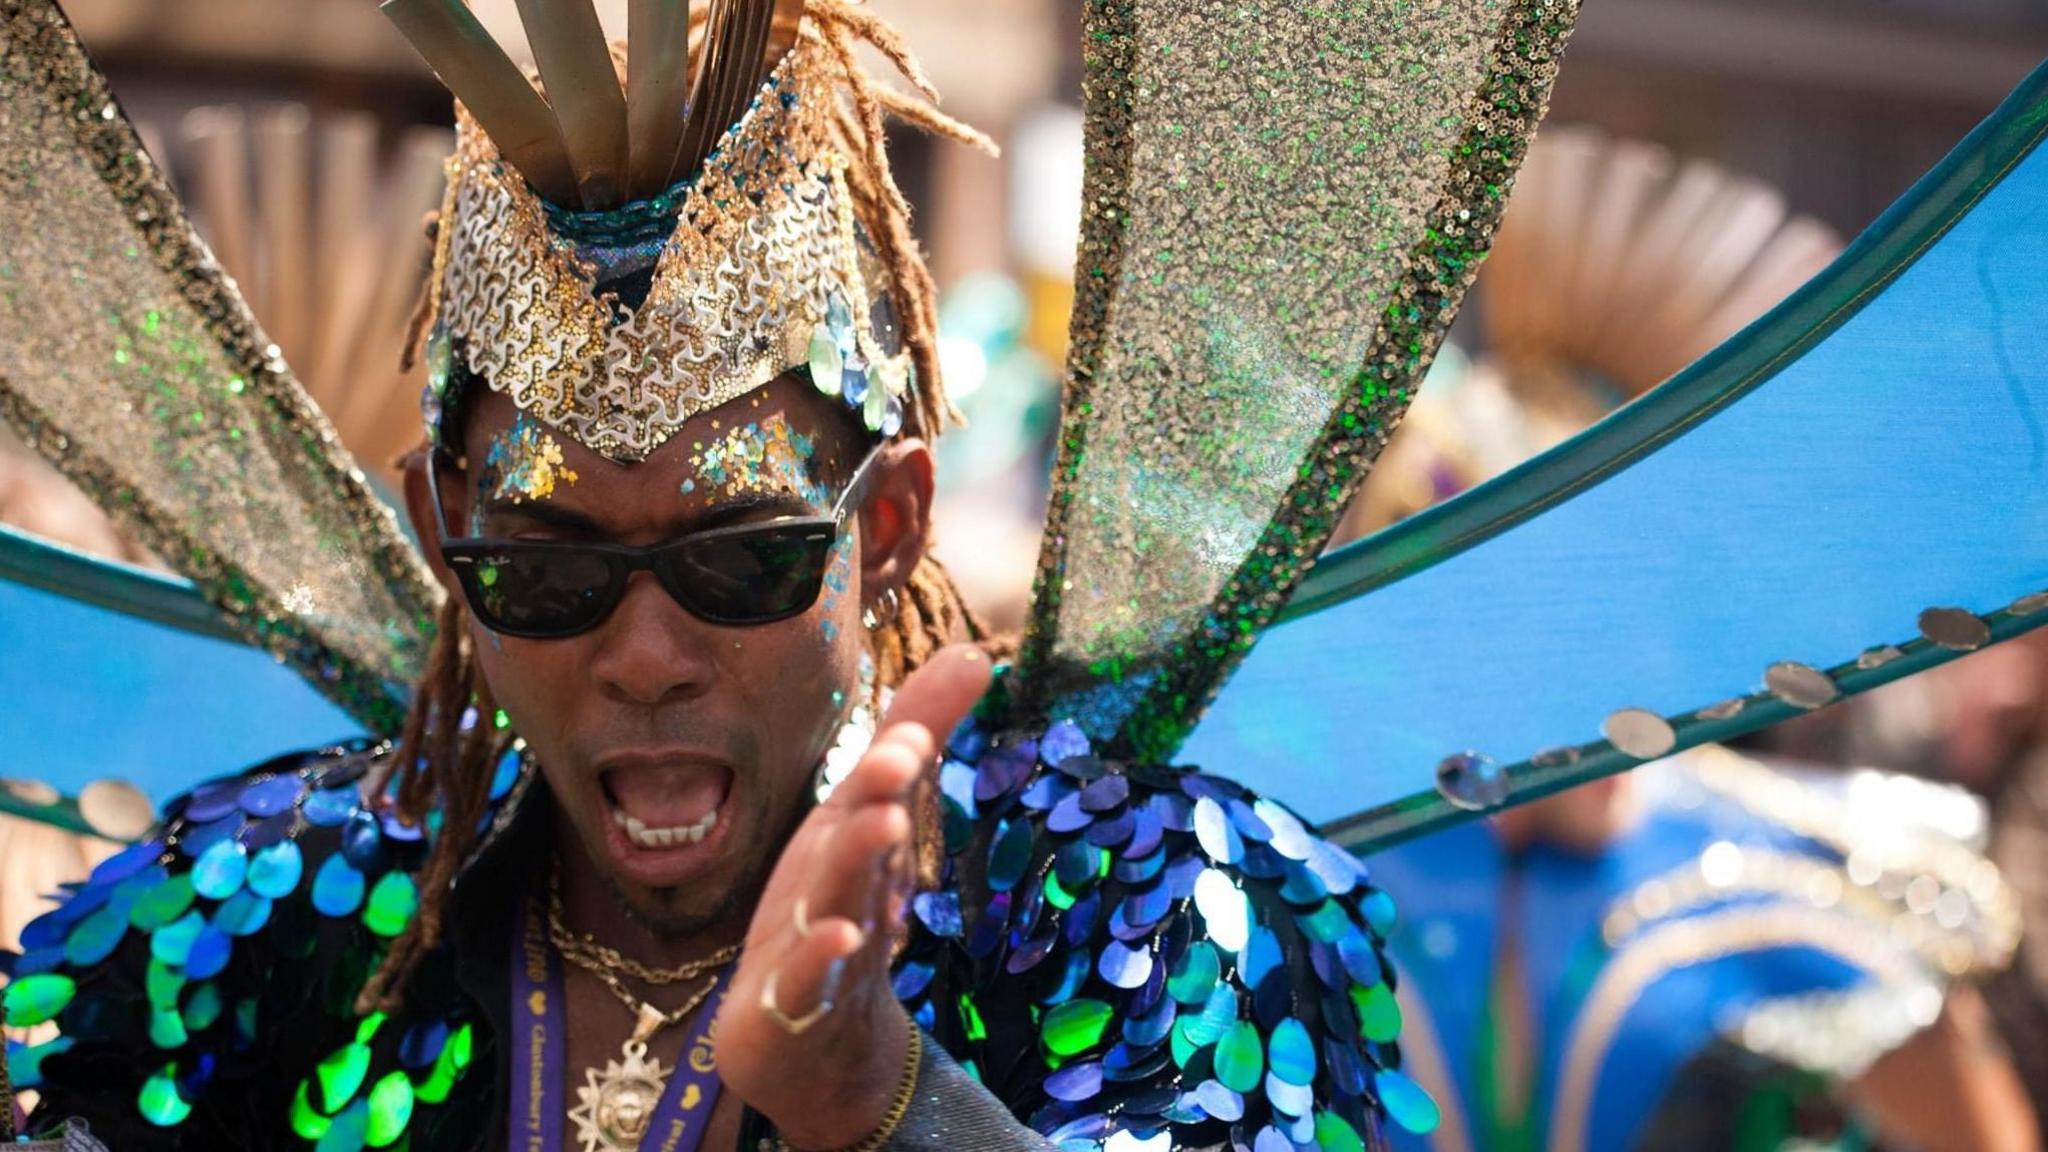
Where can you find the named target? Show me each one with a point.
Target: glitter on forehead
(523, 463)
(764, 456)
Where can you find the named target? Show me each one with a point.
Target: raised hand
(810, 1034)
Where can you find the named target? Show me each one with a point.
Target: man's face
(679, 751)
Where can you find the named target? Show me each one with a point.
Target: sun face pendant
(617, 1105)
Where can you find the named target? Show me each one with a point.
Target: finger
(811, 971)
(850, 872)
(938, 695)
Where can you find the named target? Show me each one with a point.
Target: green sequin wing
(129, 359)
(1284, 204)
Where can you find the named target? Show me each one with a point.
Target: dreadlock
(447, 753)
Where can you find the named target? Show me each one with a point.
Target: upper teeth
(643, 836)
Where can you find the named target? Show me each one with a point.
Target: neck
(591, 907)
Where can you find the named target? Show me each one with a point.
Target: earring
(882, 611)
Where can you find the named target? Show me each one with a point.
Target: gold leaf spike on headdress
(657, 77)
(582, 87)
(463, 54)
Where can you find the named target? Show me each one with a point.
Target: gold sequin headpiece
(618, 259)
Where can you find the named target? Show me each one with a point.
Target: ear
(419, 508)
(895, 517)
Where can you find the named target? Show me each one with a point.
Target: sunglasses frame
(462, 554)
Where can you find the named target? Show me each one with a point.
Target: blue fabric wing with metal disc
(109, 670)
(1853, 488)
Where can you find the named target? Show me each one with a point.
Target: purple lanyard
(540, 1032)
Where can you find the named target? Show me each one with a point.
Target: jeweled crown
(621, 255)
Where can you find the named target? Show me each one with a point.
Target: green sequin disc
(341, 1074)
(32, 1000)
(1074, 1027)
(162, 904)
(390, 1110)
(1379, 1014)
(167, 1028)
(1335, 1134)
(309, 1124)
(391, 905)
(203, 1008)
(1195, 975)
(348, 1130)
(1056, 894)
(1240, 1057)
(160, 1102)
(163, 983)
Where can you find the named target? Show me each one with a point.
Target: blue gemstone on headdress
(219, 871)
(243, 914)
(337, 887)
(839, 317)
(1075, 1083)
(853, 382)
(272, 796)
(892, 417)
(210, 952)
(1215, 834)
(940, 912)
(276, 870)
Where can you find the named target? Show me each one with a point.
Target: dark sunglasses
(741, 575)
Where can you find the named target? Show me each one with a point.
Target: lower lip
(665, 867)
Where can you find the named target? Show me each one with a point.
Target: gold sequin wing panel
(1284, 204)
(130, 360)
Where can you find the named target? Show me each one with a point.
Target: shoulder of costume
(201, 983)
(1130, 948)
(1880, 873)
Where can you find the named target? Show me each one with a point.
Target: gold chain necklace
(615, 1107)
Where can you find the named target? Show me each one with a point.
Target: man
(677, 492)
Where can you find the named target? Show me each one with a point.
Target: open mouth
(664, 807)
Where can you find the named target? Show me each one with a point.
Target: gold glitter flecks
(523, 463)
(129, 361)
(763, 239)
(1283, 206)
(766, 456)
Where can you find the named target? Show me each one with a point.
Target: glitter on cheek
(523, 463)
(838, 577)
(764, 456)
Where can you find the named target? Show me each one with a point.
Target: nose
(651, 651)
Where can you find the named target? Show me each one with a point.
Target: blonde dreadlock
(442, 764)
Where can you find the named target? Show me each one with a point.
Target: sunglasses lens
(539, 591)
(750, 577)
